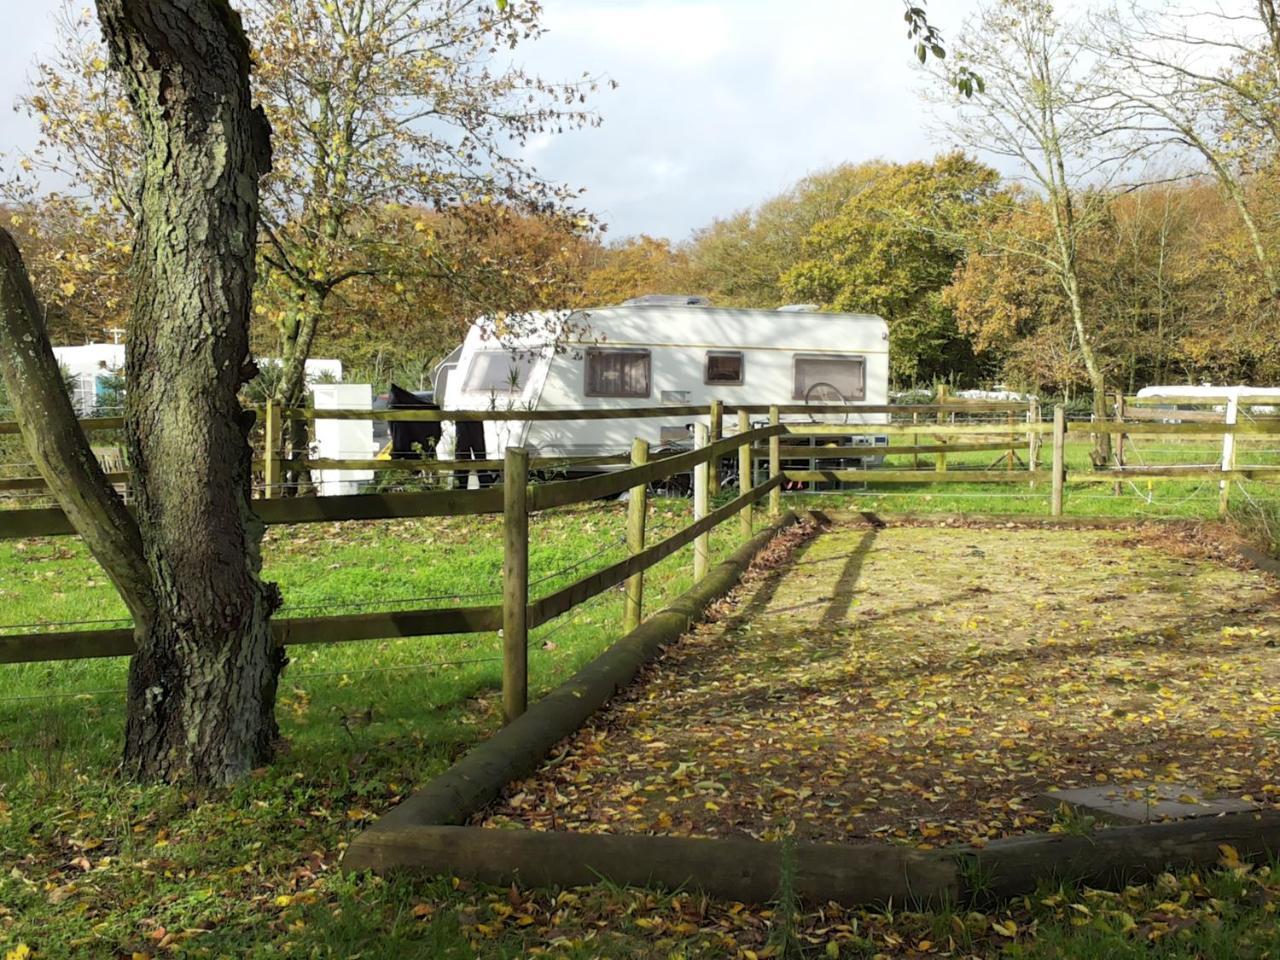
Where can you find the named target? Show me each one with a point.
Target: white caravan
(656, 354)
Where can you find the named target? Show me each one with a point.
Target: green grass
(94, 866)
(61, 726)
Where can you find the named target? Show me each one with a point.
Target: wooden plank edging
(520, 747)
(426, 833)
(1117, 856)
(731, 868)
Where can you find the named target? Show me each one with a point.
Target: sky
(720, 103)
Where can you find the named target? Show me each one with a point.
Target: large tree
(1039, 112)
(1208, 82)
(891, 249)
(185, 559)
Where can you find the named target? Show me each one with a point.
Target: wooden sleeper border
(519, 747)
(427, 833)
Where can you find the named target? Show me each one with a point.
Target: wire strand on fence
(384, 602)
(122, 621)
(393, 668)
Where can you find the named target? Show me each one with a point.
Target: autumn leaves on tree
(397, 138)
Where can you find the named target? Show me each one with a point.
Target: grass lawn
(94, 866)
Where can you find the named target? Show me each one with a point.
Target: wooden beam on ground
(519, 748)
(729, 868)
(1118, 856)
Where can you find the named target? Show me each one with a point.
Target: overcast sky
(720, 103)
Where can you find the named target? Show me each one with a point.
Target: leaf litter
(924, 685)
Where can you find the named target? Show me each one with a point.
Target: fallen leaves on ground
(925, 684)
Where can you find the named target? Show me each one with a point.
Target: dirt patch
(923, 684)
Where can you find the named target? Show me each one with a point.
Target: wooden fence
(516, 501)
(761, 453)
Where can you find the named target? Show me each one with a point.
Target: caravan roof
(679, 325)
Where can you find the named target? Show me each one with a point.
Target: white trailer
(656, 354)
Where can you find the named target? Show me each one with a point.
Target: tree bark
(1097, 381)
(295, 349)
(56, 442)
(202, 685)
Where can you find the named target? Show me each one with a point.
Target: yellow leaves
(1007, 928)
(20, 952)
(1230, 859)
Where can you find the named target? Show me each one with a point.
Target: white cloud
(737, 98)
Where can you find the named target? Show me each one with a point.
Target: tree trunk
(295, 348)
(1101, 454)
(202, 685)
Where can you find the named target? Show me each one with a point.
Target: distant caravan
(664, 352)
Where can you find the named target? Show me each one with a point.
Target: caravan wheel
(823, 394)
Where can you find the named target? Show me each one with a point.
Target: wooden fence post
(940, 458)
(1059, 459)
(775, 465)
(1012, 435)
(915, 441)
(1119, 448)
(745, 465)
(717, 431)
(1033, 439)
(1228, 454)
(701, 490)
(515, 583)
(273, 437)
(637, 509)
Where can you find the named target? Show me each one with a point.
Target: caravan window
(846, 374)
(492, 371)
(724, 368)
(618, 373)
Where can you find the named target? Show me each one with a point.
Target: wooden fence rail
(414, 415)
